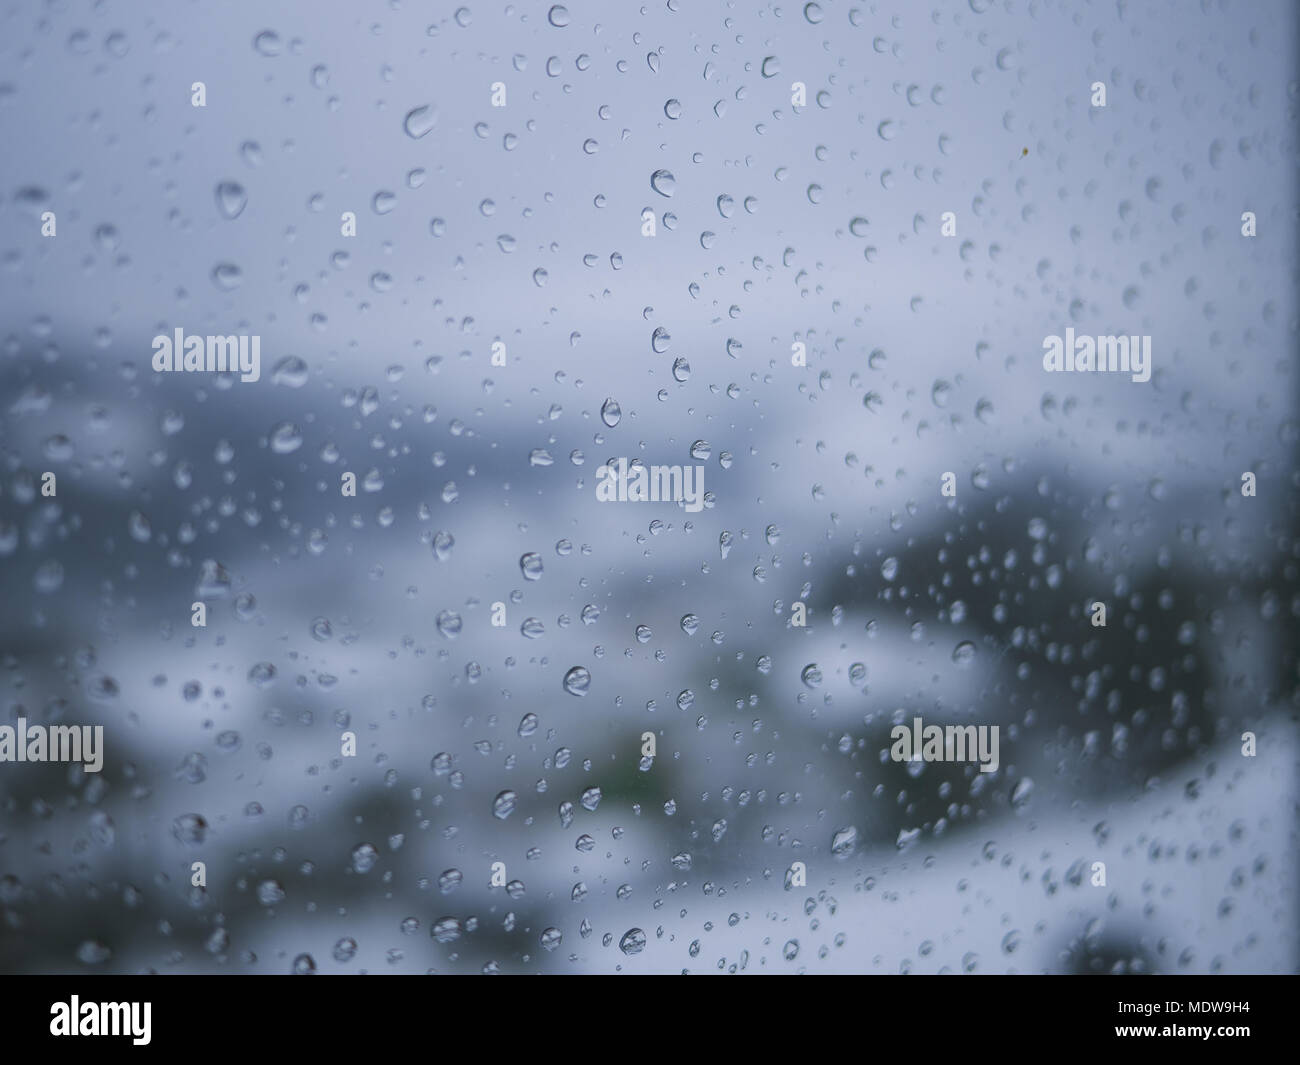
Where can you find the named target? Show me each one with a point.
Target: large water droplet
(291, 372)
(663, 182)
(844, 841)
(286, 438)
(227, 276)
(231, 199)
(267, 43)
(364, 857)
(270, 892)
(633, 942)
(420, 120)
(443, 542)
(964, 653)
(577, 681)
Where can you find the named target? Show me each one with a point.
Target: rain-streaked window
(765, 487)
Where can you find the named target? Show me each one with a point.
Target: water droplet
(231, 199)
(93, 952)
(267, 43)
(364, 857)
(610, 412)
(504, 805)
(530, 565)
(663, 182)
(227, 276)
(577, 681)
(190, 829)
(633, 942)
(844, 841)
(286, 438)
(964, 653)
(446, 929)
(270, 892)
(291, 372)
(420, 120)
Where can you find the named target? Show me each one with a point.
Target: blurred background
(775, 224)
